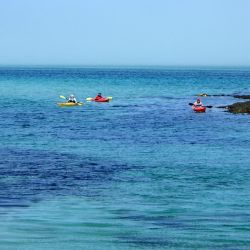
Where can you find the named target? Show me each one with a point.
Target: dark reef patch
(31, 175)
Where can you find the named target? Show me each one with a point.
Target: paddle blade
(63, 97)
(89, 99)
(191, 104)
(209, 107)
(110, 97)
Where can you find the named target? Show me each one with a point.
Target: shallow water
(142, 171)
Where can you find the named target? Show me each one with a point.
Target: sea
(140, 172)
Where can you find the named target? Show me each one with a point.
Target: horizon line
(121, 66)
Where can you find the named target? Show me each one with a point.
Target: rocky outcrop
(239, 107)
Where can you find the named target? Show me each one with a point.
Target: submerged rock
(222, 107)
(235, 96)
(239, 107)
(242, 96)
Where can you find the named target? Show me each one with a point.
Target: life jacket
(198, 104)
(98, 97)
(72, 99)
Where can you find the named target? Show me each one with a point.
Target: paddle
(63, 97)
(191, 104)
(90, 98)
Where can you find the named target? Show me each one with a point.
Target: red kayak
(101, 100)
(199, 109)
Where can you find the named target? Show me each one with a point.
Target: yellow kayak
(69, 104)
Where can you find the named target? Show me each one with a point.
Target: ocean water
(141, 172)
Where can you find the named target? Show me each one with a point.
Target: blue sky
(125, 32)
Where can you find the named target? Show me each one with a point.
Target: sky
(125, 32)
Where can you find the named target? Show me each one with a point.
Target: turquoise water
(141, 172)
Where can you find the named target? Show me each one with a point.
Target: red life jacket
(98, 97)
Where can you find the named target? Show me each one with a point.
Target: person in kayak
(198, 103)
(99, 96)
(72, 99)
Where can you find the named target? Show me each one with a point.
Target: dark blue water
(143, 171)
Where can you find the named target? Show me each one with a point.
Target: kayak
(199, 109)
(69, 104)
(101, 100)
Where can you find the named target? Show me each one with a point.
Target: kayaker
(99, 96)
(72, 99)
(198, 103)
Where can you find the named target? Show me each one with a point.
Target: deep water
(141, 172)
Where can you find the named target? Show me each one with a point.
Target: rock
(239, 107)
(203, 95)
